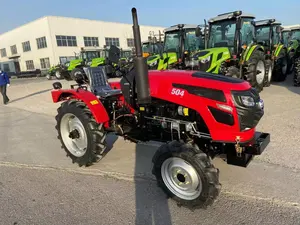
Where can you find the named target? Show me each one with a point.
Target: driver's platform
(99, 83)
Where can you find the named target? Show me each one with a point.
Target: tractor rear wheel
(83, 139)
(256, 73)
(186, 175)
(269, 71)
(75, 72)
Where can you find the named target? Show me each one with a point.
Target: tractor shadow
(30, 95)
(151, 203)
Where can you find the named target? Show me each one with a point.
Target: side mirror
(198, 31)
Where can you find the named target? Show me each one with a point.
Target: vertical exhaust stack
(142, 80)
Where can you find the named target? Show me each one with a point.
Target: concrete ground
(34, 167)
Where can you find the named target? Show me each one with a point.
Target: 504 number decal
(177, 92)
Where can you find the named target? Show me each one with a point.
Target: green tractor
(91, 58)
(232, 51)
(181, 42)
(294, 46)
(55, 71)
(150, 48)
(268, 34)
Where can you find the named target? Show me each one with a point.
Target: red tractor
(196, 115)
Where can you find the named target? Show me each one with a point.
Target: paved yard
(268, 190)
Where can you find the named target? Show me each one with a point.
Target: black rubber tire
(233, 71)
(291, 65)
(202, 164)
(72, 74)
(252, 71)
(278, 75)
(94, 131)
(269, 66)
(297, 73)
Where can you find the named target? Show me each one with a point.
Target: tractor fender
(97, 109)
(252, 49)
(278, 50)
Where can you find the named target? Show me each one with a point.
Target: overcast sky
(151, 12)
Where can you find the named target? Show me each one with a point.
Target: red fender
(92, 102)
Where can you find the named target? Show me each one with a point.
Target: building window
(66, 40)
(3, 52)
(112, 41)
(26, 46)
(130, 42)
(6, 67)
(41, 42)
(13, 49)
(91, 41)
(29, 65)
(45, 63)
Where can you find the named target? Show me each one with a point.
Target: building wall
(92, 28)
(51, 26)
(28, 32)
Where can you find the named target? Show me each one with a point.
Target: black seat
(99, 83)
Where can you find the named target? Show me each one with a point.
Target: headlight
(248, 101)
(67, 64)
(205, 60)
(89, 63)
(153, 63)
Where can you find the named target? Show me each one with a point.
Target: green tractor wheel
(269, 72)
(75, 72)
(256, 72)
(280, 70)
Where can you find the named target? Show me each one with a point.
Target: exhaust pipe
(142, 79)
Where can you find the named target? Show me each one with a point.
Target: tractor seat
(99, 83)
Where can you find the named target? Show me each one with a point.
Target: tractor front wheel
(280, 69)
(256, 72)
(186, 175)
(83, 139)
(297, 73)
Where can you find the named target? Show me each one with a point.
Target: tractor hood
(156, 62)
(210, 59)
(162, 80)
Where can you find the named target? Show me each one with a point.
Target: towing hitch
(242, 154)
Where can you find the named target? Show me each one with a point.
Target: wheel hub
(73, 135)
(260, 72)
(181, 178)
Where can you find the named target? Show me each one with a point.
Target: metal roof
(229, 15)
(267, 22)
(185, 26)
(295, 27)
(286, 29)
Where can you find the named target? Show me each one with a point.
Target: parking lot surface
(267, 192)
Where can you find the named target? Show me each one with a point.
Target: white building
(50, 40)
